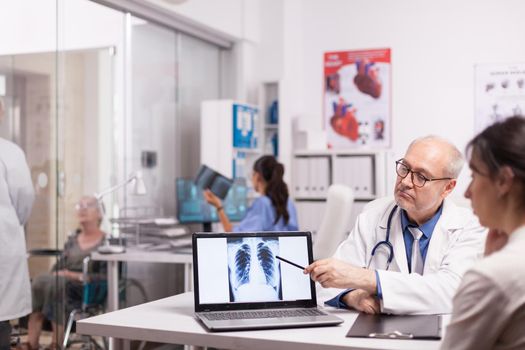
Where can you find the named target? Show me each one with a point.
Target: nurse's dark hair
(502, 144)
(272, 173)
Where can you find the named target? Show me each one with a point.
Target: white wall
(435, 45)
(224, 16)
(292, 81)
(29, 26)
(269, 54)
(241, 21)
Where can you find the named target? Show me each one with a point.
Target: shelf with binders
(313, 172)
(311, 177)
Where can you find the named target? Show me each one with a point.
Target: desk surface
(135, 254)
(171, 320)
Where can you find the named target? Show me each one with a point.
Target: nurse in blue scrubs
(272, 211)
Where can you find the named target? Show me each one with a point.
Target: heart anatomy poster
(357, 97)
(499, 91)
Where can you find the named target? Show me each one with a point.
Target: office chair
(334, 226)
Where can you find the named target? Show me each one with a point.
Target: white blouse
(489, 306)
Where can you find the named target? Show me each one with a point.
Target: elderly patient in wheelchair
(65, 283)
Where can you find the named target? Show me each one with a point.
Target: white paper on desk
(181, 242)
(165, 221)
(173, 232)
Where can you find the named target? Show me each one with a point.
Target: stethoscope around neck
(386, 242)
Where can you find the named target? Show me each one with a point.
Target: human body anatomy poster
(357, 98)
(500, 93)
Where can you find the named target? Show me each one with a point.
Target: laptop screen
(236, 271)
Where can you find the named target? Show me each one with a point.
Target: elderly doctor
(407, 256)
(16, 200)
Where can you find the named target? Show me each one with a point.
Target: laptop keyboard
(242, 315)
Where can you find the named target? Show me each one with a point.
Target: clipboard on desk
(425, 327)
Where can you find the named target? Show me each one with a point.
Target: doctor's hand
(496, 240)
(212, 199)
(333, 273)
(362, 301)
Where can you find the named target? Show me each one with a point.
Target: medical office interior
(105, 96)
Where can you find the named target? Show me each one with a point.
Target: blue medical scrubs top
(261, 216)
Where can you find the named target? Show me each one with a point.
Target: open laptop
(241, 284)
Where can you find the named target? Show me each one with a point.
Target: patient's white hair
(455, 161)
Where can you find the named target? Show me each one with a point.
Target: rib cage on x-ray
(268, 262)
(253, 269)
(242, 264)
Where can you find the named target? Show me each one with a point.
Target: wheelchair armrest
(92, 289)
(85, 282)
(85, 268)
(45, 252)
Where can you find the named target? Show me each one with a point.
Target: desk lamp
(139, 189)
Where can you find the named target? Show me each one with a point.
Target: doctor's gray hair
(455, 158)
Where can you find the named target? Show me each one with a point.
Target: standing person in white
(489, 307)
(16, 201)
(431, 242)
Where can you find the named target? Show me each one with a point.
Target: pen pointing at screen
(289, 262)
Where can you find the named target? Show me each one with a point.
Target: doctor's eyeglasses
(418, 179)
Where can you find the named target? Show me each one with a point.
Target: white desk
(137, 255)
(171, 320)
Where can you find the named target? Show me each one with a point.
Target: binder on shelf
(357, 172)
(244, 126)
(274, 113)
(301, 177)
(365, 175)
(321, 168)
(275, 144)
(313, 179)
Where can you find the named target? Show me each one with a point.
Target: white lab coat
(16, 201)
(457, 241)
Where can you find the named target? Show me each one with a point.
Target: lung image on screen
(254, 273)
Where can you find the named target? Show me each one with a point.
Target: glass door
(92, 95)
(28, 81)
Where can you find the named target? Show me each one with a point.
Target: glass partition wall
(93, 95)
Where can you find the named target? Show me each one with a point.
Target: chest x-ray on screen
(245, 269)
(254, 272)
